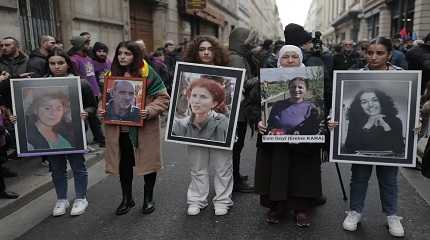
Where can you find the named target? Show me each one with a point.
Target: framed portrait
(292, 104)
(377, 113)
(48, 120)
(123, 98)
(204, 105)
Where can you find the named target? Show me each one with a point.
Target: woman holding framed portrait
(139, 147)
(287, 175)
(207, 107)
(48, 130)
(378, 119)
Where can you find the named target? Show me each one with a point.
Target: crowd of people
(287, 176)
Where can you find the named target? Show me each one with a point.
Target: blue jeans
(388, 188)
(58, 167)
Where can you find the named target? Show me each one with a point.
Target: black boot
(148, 203)
(148, 200)
(127, 200)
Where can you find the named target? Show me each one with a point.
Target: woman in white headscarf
(288, 176)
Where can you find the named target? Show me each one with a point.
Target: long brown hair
(220, 52)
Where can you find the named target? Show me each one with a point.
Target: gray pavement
(245, 220)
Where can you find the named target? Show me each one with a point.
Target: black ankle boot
(126, 204)
(148, 202)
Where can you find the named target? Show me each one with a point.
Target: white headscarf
(290, 48)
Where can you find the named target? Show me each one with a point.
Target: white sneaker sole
(350, 228)
(77, 213)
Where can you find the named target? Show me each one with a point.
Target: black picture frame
(232, 81)
(26, 96)
(391, 142)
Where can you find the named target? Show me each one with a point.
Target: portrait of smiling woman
(373, 116)
(207, 121)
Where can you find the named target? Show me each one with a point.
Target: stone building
(26, 20)
(255, 14)
(366, 19)
(154, 21)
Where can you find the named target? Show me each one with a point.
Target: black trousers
(96, 128)
(237, 149)
(126, 164)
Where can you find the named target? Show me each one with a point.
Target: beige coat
(147, 155)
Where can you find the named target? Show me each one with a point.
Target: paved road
(245, 220)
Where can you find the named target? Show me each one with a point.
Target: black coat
(285, 170)
(37, 64)
(14, 67)
(419, 59)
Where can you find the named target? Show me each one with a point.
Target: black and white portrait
(377, 113)
(374, 118)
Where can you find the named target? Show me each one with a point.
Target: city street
(245, 220)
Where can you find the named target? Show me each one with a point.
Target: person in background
(296, 35)
(85, 69)
(4, 120)
(157, 60)
(144, 50)
(13, 64)
(87, 35)
(241, 42)
(170, 56)
(101, 62)
(418, 58)
(59, 44)
(398, 58)
(38, 64)
(347, 57)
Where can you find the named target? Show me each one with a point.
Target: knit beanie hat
(296, 35)
(78, 41)
(99, 45)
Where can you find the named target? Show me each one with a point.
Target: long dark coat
(288, 170)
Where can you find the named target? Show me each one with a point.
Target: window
(36, 19)
(373, 26)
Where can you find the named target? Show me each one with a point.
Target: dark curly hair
(220, 52)
(135, 67)
(356, 114)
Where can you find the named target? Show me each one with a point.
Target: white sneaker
(79, 206)
(395, 226)
(193, 210)
(351, 221)
(60, 207)
(221, 211)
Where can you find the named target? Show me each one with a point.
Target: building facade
(154, 21)
(254, 14)
(366, 19)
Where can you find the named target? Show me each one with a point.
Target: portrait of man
(122, 103)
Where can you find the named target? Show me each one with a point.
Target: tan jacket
(147, 155)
